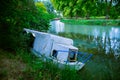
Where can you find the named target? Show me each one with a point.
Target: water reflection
(114, 33)
(56, 26)
(105, 38)
(109, 45)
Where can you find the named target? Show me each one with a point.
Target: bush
(113, 13)
(16, 15)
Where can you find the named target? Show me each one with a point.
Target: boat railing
(82, 56)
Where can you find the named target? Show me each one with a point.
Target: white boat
(59, 49)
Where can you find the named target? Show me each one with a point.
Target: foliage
(26, 66)
(16, 15)
(87, 8)
(41, 6)
(33, 69)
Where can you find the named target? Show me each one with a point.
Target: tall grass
(46, 70)
(26, 66)
(36, 68)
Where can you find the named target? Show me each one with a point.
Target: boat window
(54, 53)
(72, 55)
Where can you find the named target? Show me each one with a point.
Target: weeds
(26, 66)
(34, 68)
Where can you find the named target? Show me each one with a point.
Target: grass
(96, 21)
(25, 66)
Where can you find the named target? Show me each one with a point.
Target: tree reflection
(103, 45)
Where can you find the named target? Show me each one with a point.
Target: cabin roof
(55, 38)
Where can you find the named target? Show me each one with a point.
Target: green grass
(97, 17)
(25, 66)
(93, 21)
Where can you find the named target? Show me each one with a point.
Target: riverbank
(105, 22)
(25, 66)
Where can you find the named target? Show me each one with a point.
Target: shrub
(16, 15)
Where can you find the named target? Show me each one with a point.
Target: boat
(59, 50)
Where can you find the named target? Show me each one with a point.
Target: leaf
(70, 4)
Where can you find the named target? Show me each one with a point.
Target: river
(102, 41)
(105, 38)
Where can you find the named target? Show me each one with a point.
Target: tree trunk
(106, 10)
(108, 7)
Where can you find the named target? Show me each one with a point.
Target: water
(102, 41)
(105, 38)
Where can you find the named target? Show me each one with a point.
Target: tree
(87, 8)
(74, 8)
(16, 15)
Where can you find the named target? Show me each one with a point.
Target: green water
(105, 38)
(104, 65)
(102, 41)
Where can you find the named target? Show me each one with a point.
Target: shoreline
(103, 22)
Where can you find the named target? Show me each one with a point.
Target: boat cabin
(54, 46)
